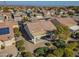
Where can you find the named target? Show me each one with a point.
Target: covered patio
(74, 28)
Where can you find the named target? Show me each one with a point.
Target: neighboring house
(76, 18)
(38, 29)
(52, 12)
(67, 21)
(39, 16)
(6, 33)
(6, 15)
(18, 16)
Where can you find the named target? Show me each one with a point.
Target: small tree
(5, 9)
(17, 32)
(34, 15)
(68, 52)
(40, 51)
(63, 32)
(2, 47)
(25, 19)
(58, 52)
(59, 43)
(26, 54)
(72, 45)
(77, 34)
(48, 44)
(21, 48)
(0, 8)
(19, 43)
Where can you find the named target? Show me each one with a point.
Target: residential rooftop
(40, 27)
(68, 21)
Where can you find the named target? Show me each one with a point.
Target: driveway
(31, 47)
(28, 45)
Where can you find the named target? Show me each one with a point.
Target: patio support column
(34, 40)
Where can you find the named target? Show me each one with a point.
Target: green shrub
(17, 33)
(26, 54)
(40, 51)
(21, 48)
(19, 43)
(59, 43)
(58, 52)
(72, 45)
(25, 19)
(2, 47)
(48, 44)
(5, 9)
(63, 32)
(68, 52)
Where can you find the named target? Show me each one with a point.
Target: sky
(41, 3)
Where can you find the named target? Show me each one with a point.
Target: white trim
(74, 28)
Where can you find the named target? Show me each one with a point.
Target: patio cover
(74, 28)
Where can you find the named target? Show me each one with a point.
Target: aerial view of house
(39, 29)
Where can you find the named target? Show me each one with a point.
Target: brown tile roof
(66, 21)
(40, 27)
